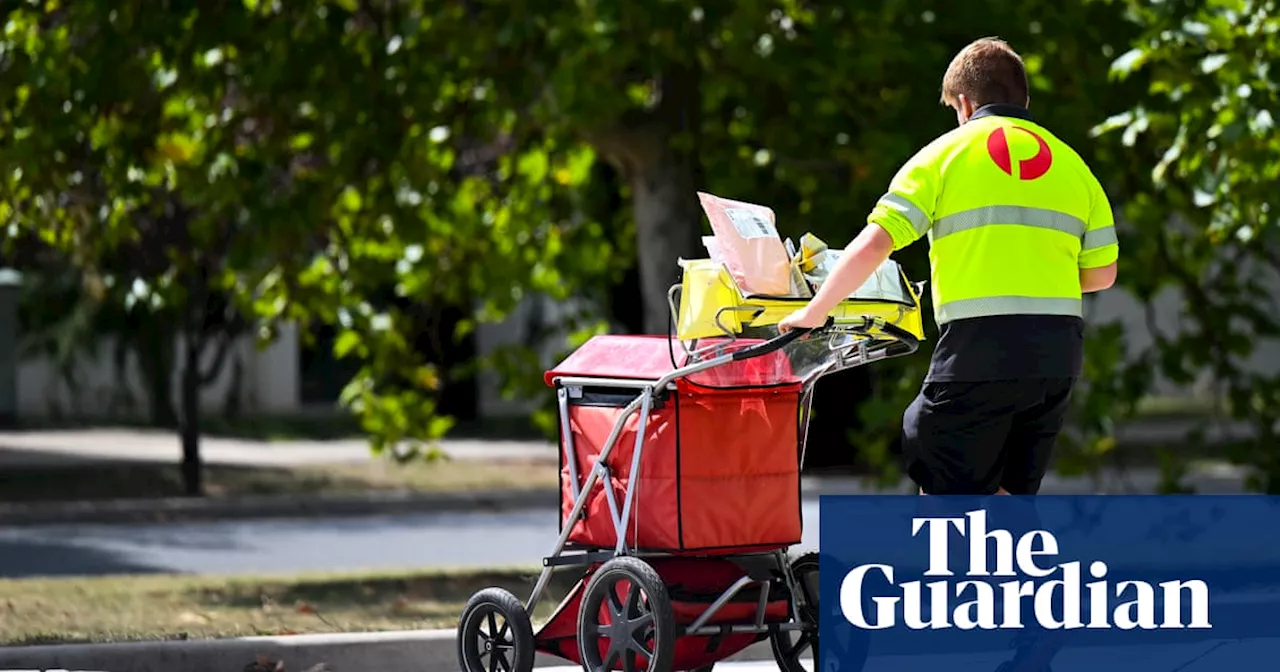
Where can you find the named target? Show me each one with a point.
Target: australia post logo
(1008, 582)
(1030, 168)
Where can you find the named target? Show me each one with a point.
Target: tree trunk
(191, 381)
(604, 204)
(668, 227)
(657, 152)
(153, 346)
(189, 427)
(624, 310)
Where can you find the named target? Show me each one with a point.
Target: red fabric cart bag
(739, 467)
(720, 468)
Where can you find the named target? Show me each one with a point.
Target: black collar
(1002, 110)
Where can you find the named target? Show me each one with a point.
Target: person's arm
(861, 258)
(900, 218)
(1098, 279)
(1099, 251)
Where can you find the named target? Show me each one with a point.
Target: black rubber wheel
(789, 646)
(640, 632)
(494, 634)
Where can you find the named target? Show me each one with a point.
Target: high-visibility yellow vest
(1011, 212)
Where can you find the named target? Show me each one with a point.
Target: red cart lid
(642, 357)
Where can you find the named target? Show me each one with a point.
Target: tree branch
(225, 340)
(631, 143)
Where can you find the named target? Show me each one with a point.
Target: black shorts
(975, 438)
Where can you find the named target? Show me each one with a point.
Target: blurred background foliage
(400, 171)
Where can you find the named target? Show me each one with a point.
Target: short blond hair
(987, 72)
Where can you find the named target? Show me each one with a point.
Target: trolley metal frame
(862, 345)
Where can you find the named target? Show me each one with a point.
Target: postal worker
(1019, 228)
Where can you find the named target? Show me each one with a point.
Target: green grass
(1174, 408)
(1148, 456)
(144, 480)
(160, 607)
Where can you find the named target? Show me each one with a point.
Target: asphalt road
(521, 537)
(290, 546)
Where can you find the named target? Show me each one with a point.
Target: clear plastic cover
(800, 361)
(885, 284)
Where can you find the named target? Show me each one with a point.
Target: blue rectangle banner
(1061, 583)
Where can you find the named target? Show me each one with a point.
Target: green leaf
(1212, 63)
(346, 343)
(534, 165)
(438, 426)
(1133, 130)
(1128, 63)
(351, 199)
(1112, 123)
(177, 148)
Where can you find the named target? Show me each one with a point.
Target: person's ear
(964, 107)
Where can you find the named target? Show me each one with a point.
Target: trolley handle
(904, 341)
(900, 342)
(898, 333)
(777, 342)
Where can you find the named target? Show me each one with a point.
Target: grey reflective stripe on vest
(1099, 238)
(1008, 214)
(1006, 305)
(919, 220)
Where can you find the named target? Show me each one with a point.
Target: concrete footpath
(69, 447)
(51, 448)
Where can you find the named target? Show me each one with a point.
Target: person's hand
(805, 318)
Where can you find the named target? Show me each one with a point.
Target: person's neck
(1001, 110)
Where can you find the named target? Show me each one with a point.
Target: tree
(1200, 185)
(806, 108)
(372, 164)
(300, 163)
(108, 174)
(70, 316)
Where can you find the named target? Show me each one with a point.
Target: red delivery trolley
(680, 493)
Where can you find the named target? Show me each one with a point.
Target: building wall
(1167, 317)
(535, 313)
(268, 383)
(270, 377)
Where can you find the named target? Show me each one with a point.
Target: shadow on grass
(343, 593)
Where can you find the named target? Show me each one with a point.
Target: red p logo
(1028, 169)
